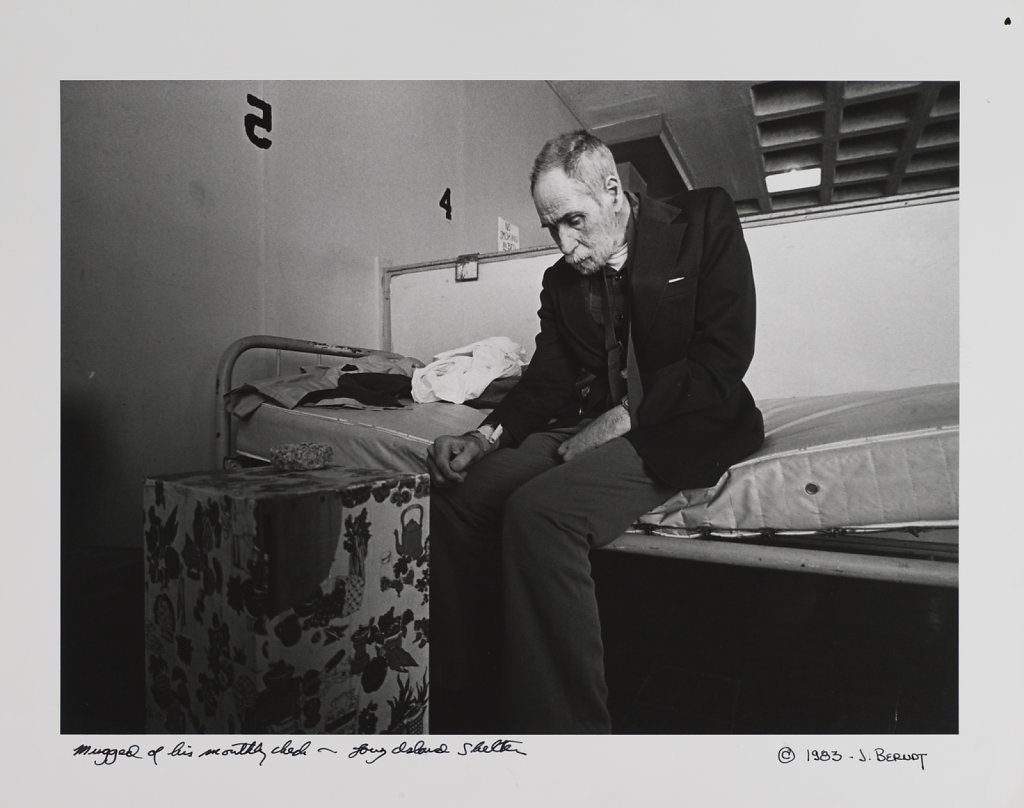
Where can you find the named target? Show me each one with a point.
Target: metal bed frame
(775, 549)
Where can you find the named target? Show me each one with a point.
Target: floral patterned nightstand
(287, 601)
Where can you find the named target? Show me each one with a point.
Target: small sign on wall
(508, 236)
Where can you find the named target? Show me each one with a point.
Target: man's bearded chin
(595, 259)
(587, 266)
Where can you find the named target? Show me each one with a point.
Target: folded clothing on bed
(463, 374)
(369, 389)
(325, 386)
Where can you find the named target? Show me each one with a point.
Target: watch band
(490, 432)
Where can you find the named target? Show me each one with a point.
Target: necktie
(617, 387)
(633, 385)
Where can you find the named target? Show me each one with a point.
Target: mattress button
(811, 488)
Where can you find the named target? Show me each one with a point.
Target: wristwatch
(625, 403)
(489, 432)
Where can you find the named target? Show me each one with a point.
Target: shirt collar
(621, 256)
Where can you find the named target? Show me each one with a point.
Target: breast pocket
(679, 287)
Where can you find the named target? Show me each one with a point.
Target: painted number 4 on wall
(446, 203)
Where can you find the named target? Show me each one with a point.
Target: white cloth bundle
(462, 374)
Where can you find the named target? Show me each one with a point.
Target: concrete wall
(179, 236)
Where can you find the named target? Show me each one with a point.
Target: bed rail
(841, 563)
(225, 442)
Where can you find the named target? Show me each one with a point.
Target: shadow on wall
(101, 687)
(85, 457)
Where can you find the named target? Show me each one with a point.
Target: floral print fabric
(281, 602)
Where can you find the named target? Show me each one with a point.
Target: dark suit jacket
(692, 315)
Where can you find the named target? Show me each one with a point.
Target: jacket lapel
(659, 236)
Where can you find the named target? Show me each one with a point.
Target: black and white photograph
(525, 424)
(822, 440)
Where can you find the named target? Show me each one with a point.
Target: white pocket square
(676, 280)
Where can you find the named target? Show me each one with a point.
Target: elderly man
(634, 391)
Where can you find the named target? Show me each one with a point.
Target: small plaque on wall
(466, 268)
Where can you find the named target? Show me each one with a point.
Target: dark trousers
(513, 606)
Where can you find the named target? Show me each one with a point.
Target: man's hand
(451, 455)
(611, 424)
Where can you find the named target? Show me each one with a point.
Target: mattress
(386, 439)
(874, 461)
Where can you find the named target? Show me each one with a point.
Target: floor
(690, 648)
